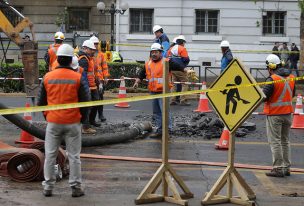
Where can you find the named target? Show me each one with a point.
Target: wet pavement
(113, 182)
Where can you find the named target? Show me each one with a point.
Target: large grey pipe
(104, 139)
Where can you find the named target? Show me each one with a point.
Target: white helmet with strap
(59, 35)
(156, 47)
(65, 50)
(94, 39)
(156, 28)
(89, 44)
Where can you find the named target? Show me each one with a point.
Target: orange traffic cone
(203, 105)
(122, 94)
(26, 138)
(224, 140)
(299, 105)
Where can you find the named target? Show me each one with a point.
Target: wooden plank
(239, 188)
(218, 185)
(149, 200)
(229, 187)
(165, 113)
(175, 201)
(216, 200)
(180, 182)
(241, 180)
(172, 186)
(241, 202)
(153, 183)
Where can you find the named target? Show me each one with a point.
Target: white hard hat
(59, 35)
(75, 63)
(156, 46)
(225, 43)
(156, 28)
(174, 40)
(94, 39)
(181, 37)
(272, 61)
(65, 50)
(88, 43)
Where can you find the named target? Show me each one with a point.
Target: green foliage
(62, 17)
(128, 69)
(301, 5)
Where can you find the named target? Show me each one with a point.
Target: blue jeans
(157, 113)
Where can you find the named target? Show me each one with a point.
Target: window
(78, 19)
(11, 15)
(141, 20)
(206, 21)
(274, 22)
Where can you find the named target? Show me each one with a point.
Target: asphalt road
(112, 182)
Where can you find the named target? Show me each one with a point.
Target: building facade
(250, 26)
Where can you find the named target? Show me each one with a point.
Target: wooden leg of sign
(233, 180)
(165, 174)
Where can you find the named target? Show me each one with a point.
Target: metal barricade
(212, 70)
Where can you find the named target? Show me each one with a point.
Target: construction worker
(178, 61)
(278, 108)
(161, 38)
(227, 55)
(154, 74)
(63, 86)
(50, 56)
(102, 74)
(86, 62)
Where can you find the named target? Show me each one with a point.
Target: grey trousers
(55, 134)
(278, 128)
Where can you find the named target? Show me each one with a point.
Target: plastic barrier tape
(130, 99)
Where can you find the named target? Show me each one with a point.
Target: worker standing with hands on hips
(153, 72)
(63, 86)
(102, 74)
(50, 56)
(278, 108)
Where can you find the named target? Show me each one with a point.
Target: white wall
(237, 24)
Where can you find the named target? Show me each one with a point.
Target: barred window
(141, 20)
(274, 22)
(206, 21)
(78, 19)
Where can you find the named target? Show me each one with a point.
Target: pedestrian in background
(294, 58)
(178, 61)
(278, 108)
(63, 86)
(275, 49)
(161, 38)
(227, 55)
(284, 52)
(153, 72)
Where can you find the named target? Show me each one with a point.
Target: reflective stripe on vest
(61, 81)
(159, 80)
(280, 99)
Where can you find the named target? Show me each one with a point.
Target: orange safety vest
(280, 101)
(54, 65)
(154, 74)
(177, 51)
(62, 87)
(52, 51)
(102, 66)
(90, 72)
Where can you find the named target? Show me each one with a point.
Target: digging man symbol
(233, 95)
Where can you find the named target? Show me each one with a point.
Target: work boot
(185, 103)
(102, 118)
(88, 131)
(77, 191)
(286, 171)
(47, 193)
(95, 124)
(275, 172)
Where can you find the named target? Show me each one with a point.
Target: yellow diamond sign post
(233, 95)
(236, 103)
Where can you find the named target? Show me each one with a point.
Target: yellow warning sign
(235, 104)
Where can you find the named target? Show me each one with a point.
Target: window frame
(273, 26)
(69, 9)
(206, 29)
(141, 23)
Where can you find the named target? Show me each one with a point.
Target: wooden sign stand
(232, 178)
(165, 173)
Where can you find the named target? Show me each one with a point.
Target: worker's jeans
(157, 113)
(55, 134)
(278, 127)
